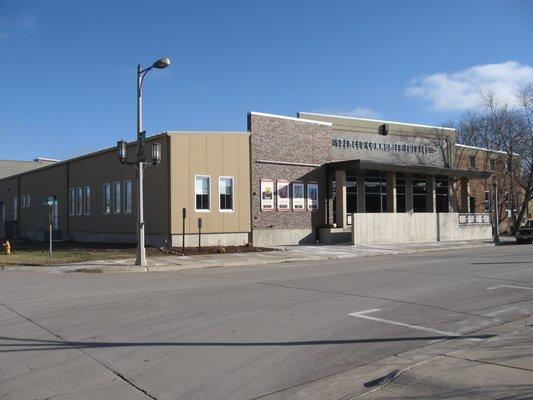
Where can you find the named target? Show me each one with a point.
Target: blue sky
(67, 73)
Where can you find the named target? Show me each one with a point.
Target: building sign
(312, 196)
(283, 195)
(406, 149)
(298, 198)
(267, 195)
(382, 146)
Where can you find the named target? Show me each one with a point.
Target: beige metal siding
(105, 168)
(215, 155)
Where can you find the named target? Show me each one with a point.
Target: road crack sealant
(71, 345)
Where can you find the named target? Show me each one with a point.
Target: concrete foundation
(334, 235)
(388, 228)
(212, 239)
(276, 237)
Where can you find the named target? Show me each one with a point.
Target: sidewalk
(278, 255)
(491, 363)
(497, 368)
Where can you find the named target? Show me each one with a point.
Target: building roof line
(378, 120)
(83, 156)
(481, 148)
(309, 121)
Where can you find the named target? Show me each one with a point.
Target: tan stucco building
(286, 180)
(97, 194)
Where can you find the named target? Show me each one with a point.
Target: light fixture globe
(161, 63)
(122, 152)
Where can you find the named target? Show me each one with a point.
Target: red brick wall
(290, 141)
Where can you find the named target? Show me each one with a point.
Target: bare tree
(506, 129)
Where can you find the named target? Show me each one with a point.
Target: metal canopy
(409, 168)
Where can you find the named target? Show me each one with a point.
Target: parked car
(525, 233)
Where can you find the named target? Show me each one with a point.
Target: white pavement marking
(510, 286)
(361, 314)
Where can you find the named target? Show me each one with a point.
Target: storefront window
(400, 193)
(375, 192)
(420, 189)
(351, 194)
(441, 193)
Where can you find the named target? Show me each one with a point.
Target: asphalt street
(246, 332)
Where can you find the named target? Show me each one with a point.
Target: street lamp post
(139, 163)
(496, 211)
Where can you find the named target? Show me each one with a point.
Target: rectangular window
(471, 204)
(420, 190)
(400, 193)
(27, 200)
(87, 200)
(71, 201)
(79, 201)
(202, 192)
(23, 201)
(116, 197)
(472, 162)
(441, 194)
(487, 201)
(106, 200)
(225, 190)
(127, 197)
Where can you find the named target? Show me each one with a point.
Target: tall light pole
(496, 211)
(139, 164)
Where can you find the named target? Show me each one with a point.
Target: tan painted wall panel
(215, 155)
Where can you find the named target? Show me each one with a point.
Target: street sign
(50, 203)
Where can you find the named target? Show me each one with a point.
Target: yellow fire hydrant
(7, 248)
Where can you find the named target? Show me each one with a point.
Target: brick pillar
(340, 199)
(464, 195)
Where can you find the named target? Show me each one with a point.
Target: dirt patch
(191, 251)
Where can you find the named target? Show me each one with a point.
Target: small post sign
(51, 202)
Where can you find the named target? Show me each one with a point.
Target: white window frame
(208, 190)
(79, 201)
(71, 201)
(232, 193)
(86, 200)
(126, 209)
(117, 205)
(106, 187)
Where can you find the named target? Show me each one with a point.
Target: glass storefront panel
(400, 193)
(441, 193)
(375, 192)
(420, 189)
(351, 194)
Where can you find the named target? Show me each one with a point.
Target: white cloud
(462, 89)
(358, 112)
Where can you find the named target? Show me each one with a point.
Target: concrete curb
(257, 261)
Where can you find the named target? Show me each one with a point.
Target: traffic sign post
(51, 202)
